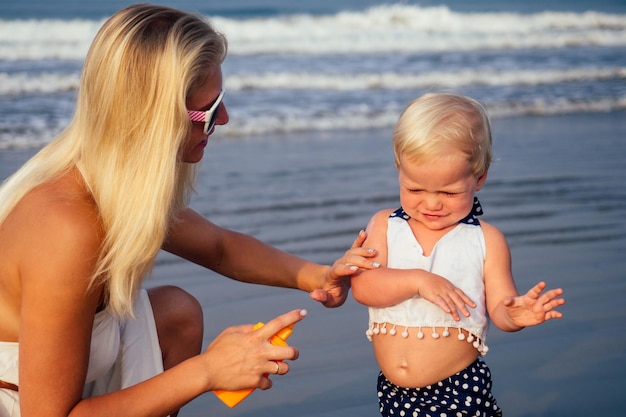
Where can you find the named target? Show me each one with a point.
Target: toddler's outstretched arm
(508, 310)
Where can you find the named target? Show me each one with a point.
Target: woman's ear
(481, 181)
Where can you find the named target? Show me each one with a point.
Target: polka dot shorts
(467, 393)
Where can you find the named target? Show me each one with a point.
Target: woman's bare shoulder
(49, 246)
(56, 220)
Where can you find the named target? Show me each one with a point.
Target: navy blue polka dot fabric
(467, 393)
(471, 218)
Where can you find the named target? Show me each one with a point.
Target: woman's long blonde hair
(126, 137)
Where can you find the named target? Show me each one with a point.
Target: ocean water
(556, 190)
(347, 64)
(313, 90)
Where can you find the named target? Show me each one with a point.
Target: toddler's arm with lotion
(384, 287)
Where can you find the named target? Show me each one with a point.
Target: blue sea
(313, 89)
(343, 64)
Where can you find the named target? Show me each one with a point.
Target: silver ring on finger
(277, 367)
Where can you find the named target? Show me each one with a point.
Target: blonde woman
(82, 222)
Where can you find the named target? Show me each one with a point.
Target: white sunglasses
(207, 117)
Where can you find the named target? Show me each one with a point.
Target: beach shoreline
(570, 367)
(556, 191)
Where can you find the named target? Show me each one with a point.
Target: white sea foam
(408, 28)
(344, 71)
(366, 117)
(401, 28)
(396, 80)
(50, 82)
(46, 83)
(46, 39)
(284, 122)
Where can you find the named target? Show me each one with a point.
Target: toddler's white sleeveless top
(459, 257)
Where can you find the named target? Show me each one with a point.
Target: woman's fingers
(360, 239)
(282, 326)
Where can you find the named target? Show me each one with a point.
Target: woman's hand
(241, 357)
(337, 280)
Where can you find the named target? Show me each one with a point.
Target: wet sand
(557, 191)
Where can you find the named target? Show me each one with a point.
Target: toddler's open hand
(534, 307)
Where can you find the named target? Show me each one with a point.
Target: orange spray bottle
(232, 398)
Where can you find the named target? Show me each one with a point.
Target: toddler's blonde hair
(437, 123)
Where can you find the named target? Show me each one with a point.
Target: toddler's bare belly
(414, 363)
